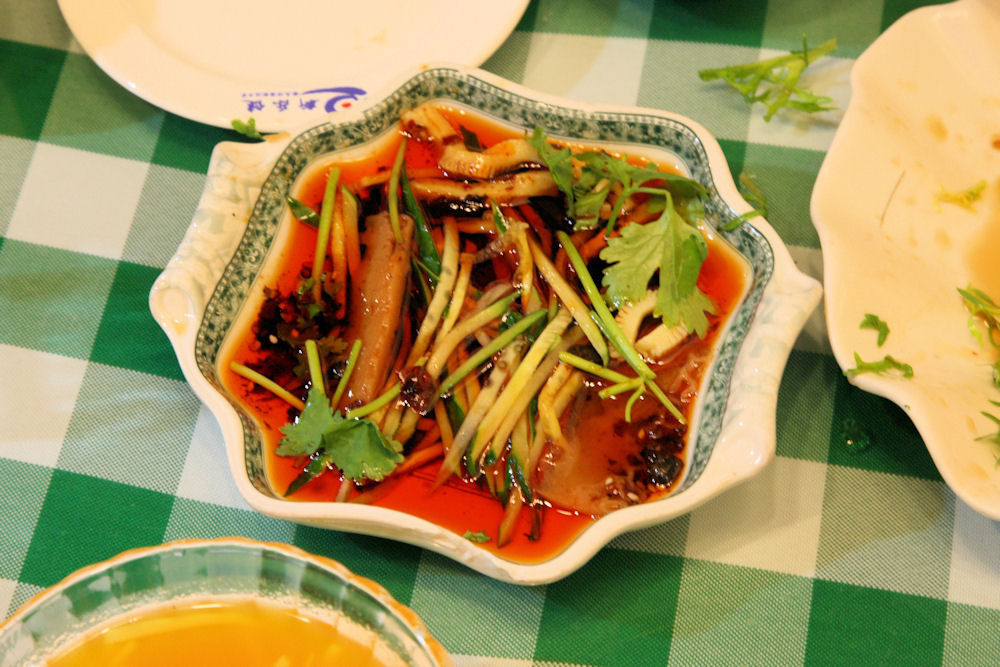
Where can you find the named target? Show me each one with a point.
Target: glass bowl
(206, 571)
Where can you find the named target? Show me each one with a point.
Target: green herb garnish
(302, 212)
(982, 309)
(356, 446)
(671, 247)
(875, 322)
(995, 436)
(427, 256)
(774, 82)
(752, 193)
(305, 435)
(604, 168)
(645, 377)
(247, 129)
(587, 192)
(881, 367)
(479, 537)
(965, 198)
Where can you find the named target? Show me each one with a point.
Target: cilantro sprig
(588, 178)
(993, 437)
(248, 129)
(670, 246)
(774, 82)
(983, 311)
(355, 446)
(872, 321)
(880, 367)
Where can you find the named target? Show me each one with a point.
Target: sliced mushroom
(515, 188)
(659, 341)
(500, 158)
(425, 123)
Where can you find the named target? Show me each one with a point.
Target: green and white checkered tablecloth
(833, 555)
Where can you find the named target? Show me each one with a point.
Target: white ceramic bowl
(200, 294)
(923, 115)
(200, 571)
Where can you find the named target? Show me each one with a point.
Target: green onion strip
(606, 321)
(489, 350)
(509, 358)
(397, 167)
(267, 383)
(375, 404)
(352, 360)
(315, 366)
(323, 233)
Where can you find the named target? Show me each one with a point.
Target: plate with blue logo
(284, 65)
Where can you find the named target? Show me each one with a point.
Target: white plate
(284, 64)
(924, 115)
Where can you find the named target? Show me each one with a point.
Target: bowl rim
(404, 613)
(798, 294)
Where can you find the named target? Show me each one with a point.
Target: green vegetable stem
(774, 82)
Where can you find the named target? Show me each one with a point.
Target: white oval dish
(215, 61)
(924, 116)
(201, 292)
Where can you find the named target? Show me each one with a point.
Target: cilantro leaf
(478, 537)
(302, 211)
(981, 306)
(318, 464)
(587, 179)
(965, 199)
(360, 450)
(356, 446)
(994, 436)
(888, 363)
(675, 249)
(780, 76)
(670, 245)
(247, 129)
(604, 170)
(304, 436)
(634, 256)
(752, 193)
(875, 322)
(559, 162)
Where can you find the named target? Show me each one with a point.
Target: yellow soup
(238, 632)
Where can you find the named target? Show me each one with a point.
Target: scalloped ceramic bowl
(200, 297)
(924, 116)
(212, 571)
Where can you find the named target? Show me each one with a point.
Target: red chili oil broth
(457, 505)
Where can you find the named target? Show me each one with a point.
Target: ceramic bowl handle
(179, 295)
